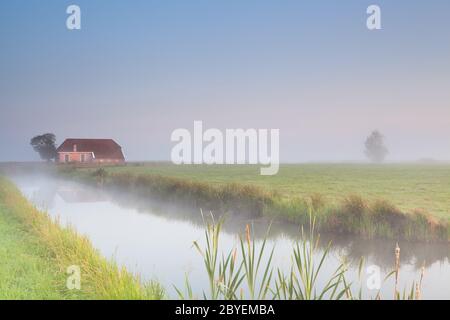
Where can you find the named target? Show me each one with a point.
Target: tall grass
(100, 278)
(354, 215)
(301, 282)
(237, 198)
(249, 273)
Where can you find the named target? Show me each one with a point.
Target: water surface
(155, 239)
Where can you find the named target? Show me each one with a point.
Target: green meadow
(407, 186)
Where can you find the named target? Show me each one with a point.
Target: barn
(105, 151)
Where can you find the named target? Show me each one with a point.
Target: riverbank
(408, 186)
(38, 253)
(351, 214)
(25, 271)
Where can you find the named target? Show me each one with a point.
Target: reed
(249, 273)
(301, 282)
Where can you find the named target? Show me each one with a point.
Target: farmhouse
(90, 151)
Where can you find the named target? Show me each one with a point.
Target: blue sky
(137, 70)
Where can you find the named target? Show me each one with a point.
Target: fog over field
(137, 72)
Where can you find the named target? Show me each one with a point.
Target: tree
(45, 146)
(376, 151)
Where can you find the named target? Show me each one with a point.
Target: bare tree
(375, 150)
(45, 145)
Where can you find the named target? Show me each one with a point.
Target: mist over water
(154, 239)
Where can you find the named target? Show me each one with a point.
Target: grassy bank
(26, 271)
(407, 186)
(38, 251)
(351, 214)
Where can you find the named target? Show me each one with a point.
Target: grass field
(36, 251)
(407, 186)
(26, 271)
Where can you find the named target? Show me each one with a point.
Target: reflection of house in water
(75, 194)
(45, 196)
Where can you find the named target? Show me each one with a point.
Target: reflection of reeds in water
(248, 273)
(397, 269)
(353, 248)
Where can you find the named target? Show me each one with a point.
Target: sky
(138, 70)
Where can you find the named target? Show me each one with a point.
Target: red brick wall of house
(75, 156)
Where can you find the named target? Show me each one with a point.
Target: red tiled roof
(102, 148)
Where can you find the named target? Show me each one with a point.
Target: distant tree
(45, 145)
(376, 151)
